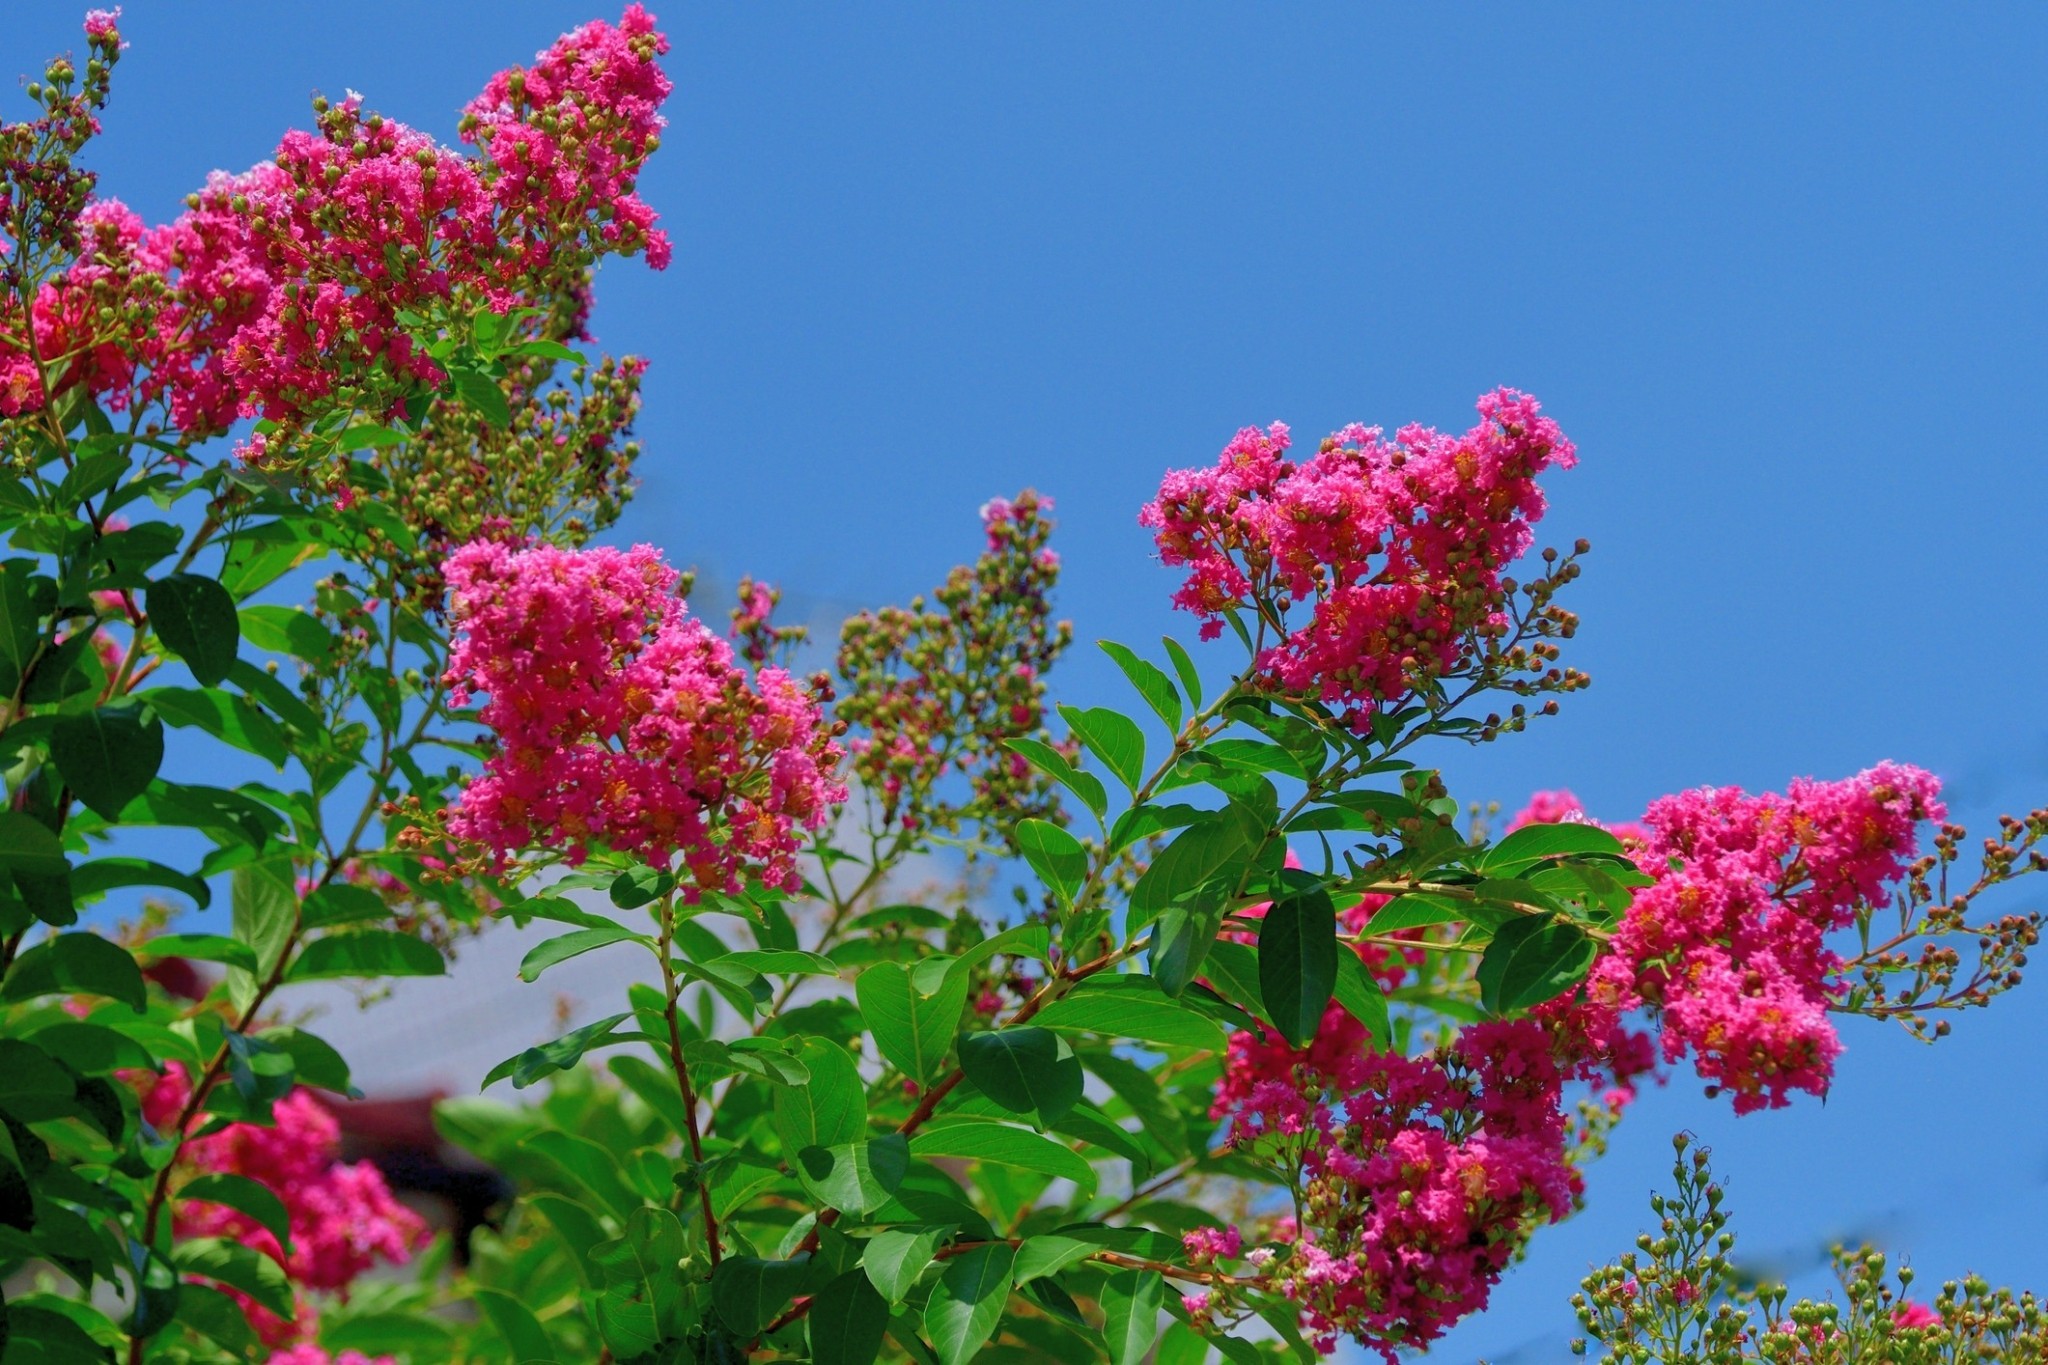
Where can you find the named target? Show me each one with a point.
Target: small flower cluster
(760, 640)
(565, 139)
(559, 467)
(1398, 546)
(1681, 1296)
(306, 1353)
(1420, 1178)
(343, 1218)
(301, 285)
(1728, 945)
(622, 721)
(44, 194)
(933, 691)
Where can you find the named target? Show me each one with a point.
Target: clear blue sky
(1777, 270)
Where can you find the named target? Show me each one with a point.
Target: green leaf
(195, 618)
(1532, 959)
(589, 1166)
(231, 719)
(339, 903)
(264, 898)
(314, 1060)
(108, 755)
(1182, 938)
(38, 1335)
(1112, 737)
(412, 1335)
(201, 948)
(1233, 969)
(749, 1292)
(1055, 855)
(1130, 1008)
(832, 1110)
(781, 962)
(545, 955)
(856, 1177)
(1198, 853)
(1131, 1301)
(982, 1140)
(1254, 755)
(243, 1195)
(287, 630)
(26, 845)
(640, 1298)
(911, 1029)
(91, 1049)
(1019, 940)
(218, 1318)
(21, 625)
(238, 1267)
(1190, 680)
(515, 1322)
(33, 1086)
(482, 395)
(1152, 683)
(640, 886)
(1048, 1254)
(1298, 960)
(264, 554)
(1532, 844)
(1054, 764)
(896, 1258)
(1025, 1070)
(561, 1054)
(367, 952)
(81, 963)
(1417, 909)
(102, 875)
(1362, 998)
(847, 1320)
(765, 1058)
(967, 1302)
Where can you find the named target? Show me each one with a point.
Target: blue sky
(1777, 270)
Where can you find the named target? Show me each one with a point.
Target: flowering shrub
(1680, 1298)
(1275, 1052)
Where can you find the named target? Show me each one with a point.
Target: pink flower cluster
(1421, 1175)
(343, 1217)
(278, 288)
(566, 138)
(1397, 545)
(1728, 946)
(623, 721)
(307, 1353)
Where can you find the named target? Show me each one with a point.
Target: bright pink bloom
(1728, 946)
(623, 721)
(1912, 1314)
(307, 1353)
(343, 1217)
(564, 140)
(1397, 546)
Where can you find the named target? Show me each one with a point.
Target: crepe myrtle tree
(1275, 1049)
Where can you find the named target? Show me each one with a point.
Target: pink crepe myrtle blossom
(342, 1215)
(1727, 948)
(1421, 1176)
(620, 720)
(306, 1353)
(1396, 547)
